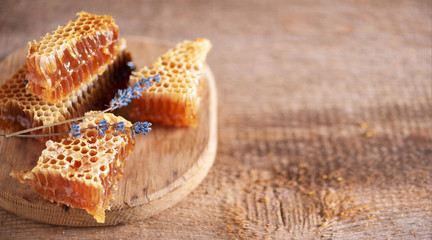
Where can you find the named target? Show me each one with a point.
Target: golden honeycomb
(82, 172)
(20, 110)
(71, 56)
(175, 99)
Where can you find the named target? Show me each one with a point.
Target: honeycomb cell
(27, 111)
(175, 100)
(84, 150)
(80, 181)
(93, 152)
(69, 159)
(77, 164)
(67, 58)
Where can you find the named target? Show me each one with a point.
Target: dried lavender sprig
(16, 134)
(122, 98)
(125, 96)
(102, 127)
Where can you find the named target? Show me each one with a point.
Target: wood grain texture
(301, 84)
(163, 168)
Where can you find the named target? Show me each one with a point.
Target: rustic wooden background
(324, 116)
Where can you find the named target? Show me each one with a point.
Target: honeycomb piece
(175, 99)
(19, 110)
(71, 56)
(82, 172)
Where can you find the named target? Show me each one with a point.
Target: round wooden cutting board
(164, 167)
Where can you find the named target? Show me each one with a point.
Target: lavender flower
(141, 127)
(102, 127)
(75, 130)
(119, 127)
(125, 96)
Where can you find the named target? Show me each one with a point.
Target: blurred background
(324, 116)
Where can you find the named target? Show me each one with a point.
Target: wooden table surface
(324, 116)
